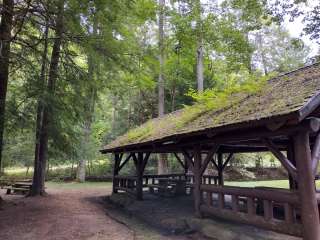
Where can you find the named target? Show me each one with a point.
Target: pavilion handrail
(253, 206)
(277, 195)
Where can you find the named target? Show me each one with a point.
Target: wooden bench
(16, 190)
(21, 187)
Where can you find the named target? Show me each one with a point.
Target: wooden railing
(273, 209)
(125, 183)
(206, 179)
(128, 183)
(153, 179)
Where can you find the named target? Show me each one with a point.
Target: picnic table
(19, 187)
(169, 186)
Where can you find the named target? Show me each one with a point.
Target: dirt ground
(68, 214)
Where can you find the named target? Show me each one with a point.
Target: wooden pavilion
(283, 118)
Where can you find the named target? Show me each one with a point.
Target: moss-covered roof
(287, 94)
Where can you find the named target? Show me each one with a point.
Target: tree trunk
(262, 54)
(162, 160)
(5, 40)
(42, 83)
(200, 78)
(88, 111)
(40, 165)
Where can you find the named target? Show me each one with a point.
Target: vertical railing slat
(235, 203)
(250, 206)
(267, 210)
(288, 213)
(221, 200)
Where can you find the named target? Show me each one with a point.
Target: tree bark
(42, 83)
(162, 160)
(5, 40)
(40, 167)
(200, 78)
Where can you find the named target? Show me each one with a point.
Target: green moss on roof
(281, 95)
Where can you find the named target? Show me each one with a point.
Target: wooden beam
(293, 184)
(145, 161)
(220, 169)
(117, 160)
(135, 159)
(208, 158)
(189, 159)
(140, 164)
(125, 162)
(197, 181)
(316, 155)
(282, 158)
(227, 160)
(214, 163)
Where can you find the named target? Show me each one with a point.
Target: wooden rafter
(281, 157)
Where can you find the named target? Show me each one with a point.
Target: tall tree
(40, 103)
(91, 97)
(289, 54)
(38, 186)
(199, 33)
(162, 161)
(5, 41)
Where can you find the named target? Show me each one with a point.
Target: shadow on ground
(174, 216)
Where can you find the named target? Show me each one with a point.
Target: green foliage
(109, 68)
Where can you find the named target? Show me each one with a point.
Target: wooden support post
(141, 162)
(116, 165)
(186, 167)
(290, 155)
(220, 169)
(197, 181)
(309, 207)
(139, 187)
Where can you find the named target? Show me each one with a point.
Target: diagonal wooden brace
(282, 158)
(179, 160)
(189, 159)
(208, 158)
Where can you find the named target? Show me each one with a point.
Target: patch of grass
(77, 185)
(268, 183)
